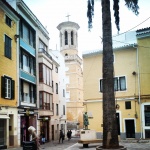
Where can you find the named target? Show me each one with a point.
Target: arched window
(66, 54)
(66, 38)
(71, 37)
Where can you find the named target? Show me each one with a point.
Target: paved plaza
(74, 145)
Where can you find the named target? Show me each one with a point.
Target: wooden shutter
(3, 87)
(12, 89)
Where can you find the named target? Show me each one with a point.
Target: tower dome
(68, 37)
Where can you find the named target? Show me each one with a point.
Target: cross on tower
(68, 17)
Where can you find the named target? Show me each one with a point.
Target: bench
(86, 142)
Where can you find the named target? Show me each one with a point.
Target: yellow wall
(144, 62)
(125, 63)
(8, 66)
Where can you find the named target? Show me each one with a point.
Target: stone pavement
(74, 145)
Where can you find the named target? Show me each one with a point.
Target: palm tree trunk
(110, 133)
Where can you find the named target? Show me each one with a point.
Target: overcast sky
(52, 12)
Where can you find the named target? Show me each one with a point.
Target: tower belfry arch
(74, 74)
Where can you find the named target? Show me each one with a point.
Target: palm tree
(110, 132)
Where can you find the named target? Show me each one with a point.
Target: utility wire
(133, 27)
(130, 44)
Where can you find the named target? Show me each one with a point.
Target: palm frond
(90, 12)
(133, 5)
(116, 13)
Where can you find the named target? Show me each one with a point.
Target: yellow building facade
(9, 75)
(131, 83)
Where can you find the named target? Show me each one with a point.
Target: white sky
(52, 12)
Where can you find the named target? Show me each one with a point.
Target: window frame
(8, 21)
(128, 105)
(7, 47)
(7, 91)
(117, 84)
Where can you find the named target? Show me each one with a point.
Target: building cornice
(68, 24)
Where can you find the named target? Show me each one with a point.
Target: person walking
(35, 138)
(68, 135)
(61, 136)
(42, 138)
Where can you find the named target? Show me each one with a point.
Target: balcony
(73, 58)
(41, 50)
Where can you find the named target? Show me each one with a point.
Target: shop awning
(4, 117)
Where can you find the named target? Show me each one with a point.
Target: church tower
(74, 74)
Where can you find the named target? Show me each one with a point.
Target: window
(57, 112)
(42, 46)
(28, 34)
(45, 74)
(71, 37)
(63, 93)
(119, 84)
(56, 69)
(45, 100)
(8, 87)
(8, 21)
(147, 117)
(66, 38)
(63, 109)
(27, 62)
(7, 47)
(128, 105)
(56, 88)
(27, 92)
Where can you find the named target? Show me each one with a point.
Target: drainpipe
(139, 89)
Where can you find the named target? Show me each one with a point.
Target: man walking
(61, 136)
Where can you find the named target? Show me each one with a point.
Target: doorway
(118, 122)
(52, 132)
(130, 128)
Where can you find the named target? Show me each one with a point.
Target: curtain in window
(116, 84)
(25, 33)
(122, 82)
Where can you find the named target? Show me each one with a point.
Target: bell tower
(74, 74)
(68, 37)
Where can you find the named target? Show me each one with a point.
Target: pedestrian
(68, 135)
(35, 138)
(42, 138)
(61, 136)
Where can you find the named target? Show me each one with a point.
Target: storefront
(28, 117)
(44, 126)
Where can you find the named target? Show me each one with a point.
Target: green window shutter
(2, 87)
(12, 89)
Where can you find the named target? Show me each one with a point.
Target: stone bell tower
(74, 74)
